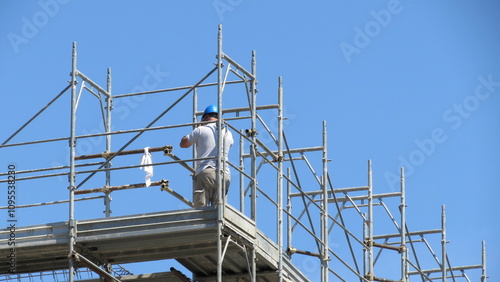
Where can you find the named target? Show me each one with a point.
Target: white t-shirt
(206, 137)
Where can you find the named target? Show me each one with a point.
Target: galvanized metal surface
(172, 276)
(186, 235)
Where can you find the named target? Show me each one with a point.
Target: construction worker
(206, 138)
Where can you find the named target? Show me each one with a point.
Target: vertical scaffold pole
(365, 249)
(289, 210)
(324, 215)
(195, 107)
(443, 243)
(220, 204)
(253, 153)
(72, 175)
(369, 224)
(253, 108)
(280, 178)
(402, 208)
(242, 177)
(109, 107)
(483, 263)
(194, 119)
(253, 147)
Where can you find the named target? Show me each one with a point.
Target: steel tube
(173, 89)
(254, 149)
(292, 251)
(72, 175)
(349, 267)
(279, 158)
(108, 189)
(404, 251)
(443, 243)
(292, 151)
(242, 177)
(240, 68)
(365, 248)
(266, 149)
(244, 109)
(370, 273)
(109, 107)
(455, 268)
(35, 142)
(219, 127)
(414, 233)
(89, 264)
(325, 256)
(92, 83)
(483, 263)
(253, 146)
(47, 169)
(359, 198)
(267, 129)
(37, 114)
(193, 149)
(338, 190)
(288, 210)
(177, 195)
(122, 153)
(53, 203)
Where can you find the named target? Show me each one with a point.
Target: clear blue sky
(403, 83)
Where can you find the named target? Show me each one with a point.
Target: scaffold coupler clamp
(251, 132)
(75, 256)
(328, 258)
(167, 150)
(369, 243)
(106, 190)
(279, 158)
(221, 64)
(164, 185)
(290, 251)
(107, 155)
(74, 83)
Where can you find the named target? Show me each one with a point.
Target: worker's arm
(185, 143)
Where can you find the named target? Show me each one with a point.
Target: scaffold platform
(189, 236)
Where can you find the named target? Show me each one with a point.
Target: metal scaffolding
(234, 241)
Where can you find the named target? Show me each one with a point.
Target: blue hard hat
(211, 109)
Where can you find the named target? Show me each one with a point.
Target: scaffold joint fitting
(251, 132)
(167, 150)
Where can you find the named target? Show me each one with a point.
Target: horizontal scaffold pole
(52, 203)
(173, 89)
(163, 183)
(243, 109)
(165, 149)
(120, 187)
(436, 270)
(92, 83)
(237, 66)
